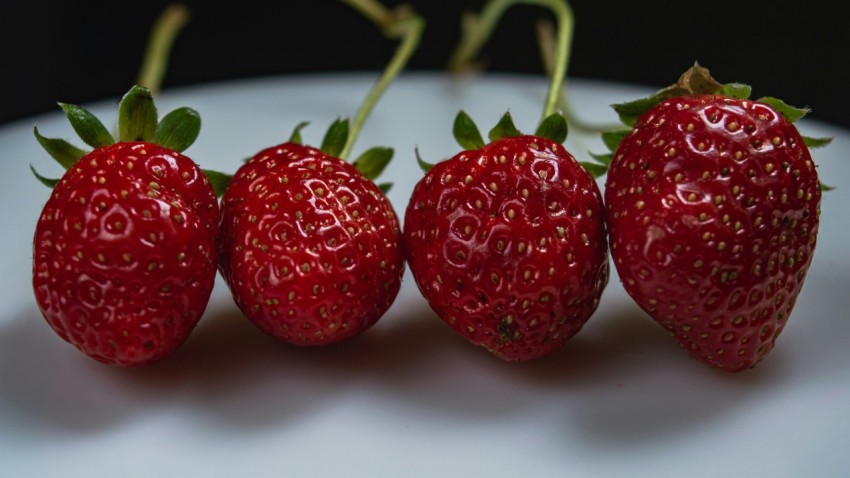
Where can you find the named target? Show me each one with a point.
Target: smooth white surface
(409, 398)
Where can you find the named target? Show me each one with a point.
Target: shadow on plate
(620, 380)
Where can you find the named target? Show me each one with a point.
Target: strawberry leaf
(553, 127)
(373, 161)
(596, 170)
(296, 133)
(51, 183)
(505, 128)
(385, 187)
(825, 188)
(65, 153)
(612, 139)
(137, 118)
(630, 111)
(603, 159)
(816, 142)
(219, 181)
(790, 113)
(424, 165)
(335, 138)
(735, 90)
(697, 80)
(178, 129)
(466, 133)
(87, 126)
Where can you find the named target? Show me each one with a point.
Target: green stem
(399, 23)
(478, 29)
(547, 42)
(164, 31)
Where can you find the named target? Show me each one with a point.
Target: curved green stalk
(546, 40)
(164, 31)
(478, 29)
(399, 23)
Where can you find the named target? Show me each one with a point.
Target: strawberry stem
(164, 31)
(547, 41)
(477, 29)
(400, 22)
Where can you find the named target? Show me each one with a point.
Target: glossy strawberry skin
(508, 245)
(713, 207)
(310, 248)
(124, 253)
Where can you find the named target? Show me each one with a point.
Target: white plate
(409, 398)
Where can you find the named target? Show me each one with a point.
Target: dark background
(88, 50)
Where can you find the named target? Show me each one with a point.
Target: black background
(88, 50)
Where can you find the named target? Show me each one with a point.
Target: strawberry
(124, 254)
(310, 247)
(713, 203)
(506, 241)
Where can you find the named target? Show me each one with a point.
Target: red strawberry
(309, 246)
(124, 253)
(507, 241)
(713, 205)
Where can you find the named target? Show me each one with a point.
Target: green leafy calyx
(296, 133)
(137, 121)
(137, 116)
(335, 138)
(697, 80)
(468, 136)
(466, 133)
(505, 128)
(373, 161)
(553, 127)
(179, 129)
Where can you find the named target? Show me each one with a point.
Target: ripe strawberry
(124, 253)
(310, 247)
(507, 241)
(713, 205)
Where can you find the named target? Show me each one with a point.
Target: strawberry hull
(507, 244)
(309, 247)
(713, 207)
(124, 256)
